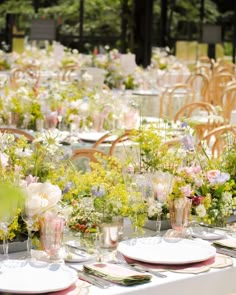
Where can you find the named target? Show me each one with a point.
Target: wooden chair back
(218, 138)
(173, 99)
(17, 133)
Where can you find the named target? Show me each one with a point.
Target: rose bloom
(197, 200)
(42, 196)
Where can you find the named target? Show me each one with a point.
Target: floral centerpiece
(100, 195)
(38, 168)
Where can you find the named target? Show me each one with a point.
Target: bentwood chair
(199, 83)
(81, 158)
(29, 75)
(173, 99)
(17, 133)
(219, 138)
(228, 101)
(216, 87)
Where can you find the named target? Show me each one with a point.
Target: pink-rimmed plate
(182, 252)
(35, 277)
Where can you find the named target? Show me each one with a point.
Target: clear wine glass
(140, 190)
(6, 219)
(162, 185)
(30, 217)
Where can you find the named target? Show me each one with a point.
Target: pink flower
(186, 190)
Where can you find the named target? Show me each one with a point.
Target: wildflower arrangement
(42, 164)
(100, 195)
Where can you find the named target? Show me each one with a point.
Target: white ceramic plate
(146, 92)
(207, 233)
(182, 252)
(77, 256)
(35, 277)
(94, 136)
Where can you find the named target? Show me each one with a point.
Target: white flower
(87, 77)
(4, 160)
(23, 152)
(201, 210)
(227, 197)
(42, 196)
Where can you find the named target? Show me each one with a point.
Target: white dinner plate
(207, 233)
(94, 136)
(153, 92)
(35, 277)
(182, 252)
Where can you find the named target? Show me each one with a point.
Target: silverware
(139, 267)
(224, 251)
(96, 281)
(135, 266)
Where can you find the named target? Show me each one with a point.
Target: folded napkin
(227, 243)
(117, 274)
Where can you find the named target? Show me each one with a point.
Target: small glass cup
(51, 235)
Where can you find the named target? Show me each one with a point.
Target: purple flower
(217, 177)
(67, 187)
(98, 191)
(188, 142)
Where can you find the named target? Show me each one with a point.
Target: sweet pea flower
(217, 177)
(186, 190)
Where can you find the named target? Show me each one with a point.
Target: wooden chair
(218, 138)
(101, 140)
(173, 99)
(85, 156)
(193, 110)
(216, 86)
(69, 73)
(228, 101)
(30, 75)
(17, 133)
(199, 83)
(124, 137)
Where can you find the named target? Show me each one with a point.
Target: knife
(98, 282)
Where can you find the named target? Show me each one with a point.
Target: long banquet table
(213, 282)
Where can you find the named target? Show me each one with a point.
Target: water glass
(51, 235)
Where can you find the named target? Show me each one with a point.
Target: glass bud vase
(179, 213)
